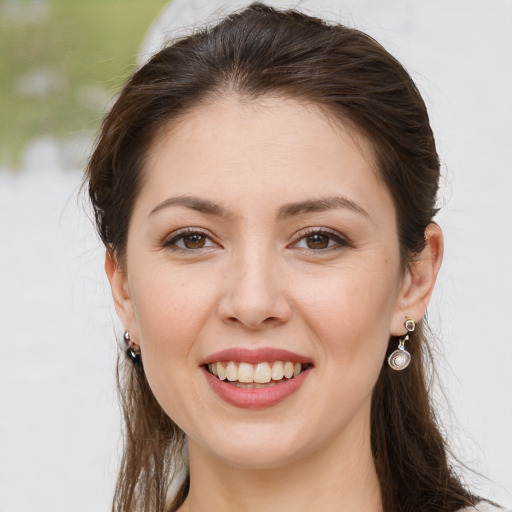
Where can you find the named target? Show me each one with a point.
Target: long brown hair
(262, 51)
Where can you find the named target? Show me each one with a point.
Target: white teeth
(289, 369)
(221, 371)
(261, 373)
(232, 372)
(246, 373)
(277, 370)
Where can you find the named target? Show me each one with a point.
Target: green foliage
(78, 51)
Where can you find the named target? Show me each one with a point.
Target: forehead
(266, 116)
(272, 148)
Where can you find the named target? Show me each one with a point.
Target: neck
(340, 476)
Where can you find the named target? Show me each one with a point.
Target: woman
(266, 191)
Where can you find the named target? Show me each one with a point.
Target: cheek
(350, 310)
(171, 310)
(170, 306)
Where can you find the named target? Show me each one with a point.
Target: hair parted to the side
(256, 52)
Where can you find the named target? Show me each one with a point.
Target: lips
(255, 378)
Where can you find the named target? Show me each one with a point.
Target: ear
(418, 282)
(120, 290)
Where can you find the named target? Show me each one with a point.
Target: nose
(255, 293)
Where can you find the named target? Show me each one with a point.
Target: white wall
(58, 416)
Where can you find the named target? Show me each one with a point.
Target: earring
(132, 351)
(400, 358)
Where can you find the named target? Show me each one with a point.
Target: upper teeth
(260, 373)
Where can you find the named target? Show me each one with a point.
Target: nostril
(254, 323)
(271, 320)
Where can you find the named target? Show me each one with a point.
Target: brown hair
(262, 51)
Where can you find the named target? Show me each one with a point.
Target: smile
(256, 378)
(243, 374)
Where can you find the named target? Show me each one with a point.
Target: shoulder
(484, 507)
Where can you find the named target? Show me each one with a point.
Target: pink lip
(255, 356)
(256, 398)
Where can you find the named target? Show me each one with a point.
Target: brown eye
(195, 241)
(317, 241)
(320, 240)
(189, 240)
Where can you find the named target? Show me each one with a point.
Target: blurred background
(61, 64)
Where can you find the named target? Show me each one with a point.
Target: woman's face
(261, 237)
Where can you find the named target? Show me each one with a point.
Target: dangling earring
(400, 358)
(132, 350)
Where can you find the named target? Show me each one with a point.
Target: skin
(257, 283)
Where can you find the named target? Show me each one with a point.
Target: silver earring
(400, 358)
(132, 351)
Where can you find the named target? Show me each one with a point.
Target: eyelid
(171, 239)
(341, 240)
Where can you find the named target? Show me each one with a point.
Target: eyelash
(181, 234)
(332, 236)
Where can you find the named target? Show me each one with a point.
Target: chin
(256, 447)
(256, 458)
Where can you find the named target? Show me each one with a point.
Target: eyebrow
(194, 203)
(288, 210)
(320, 205)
